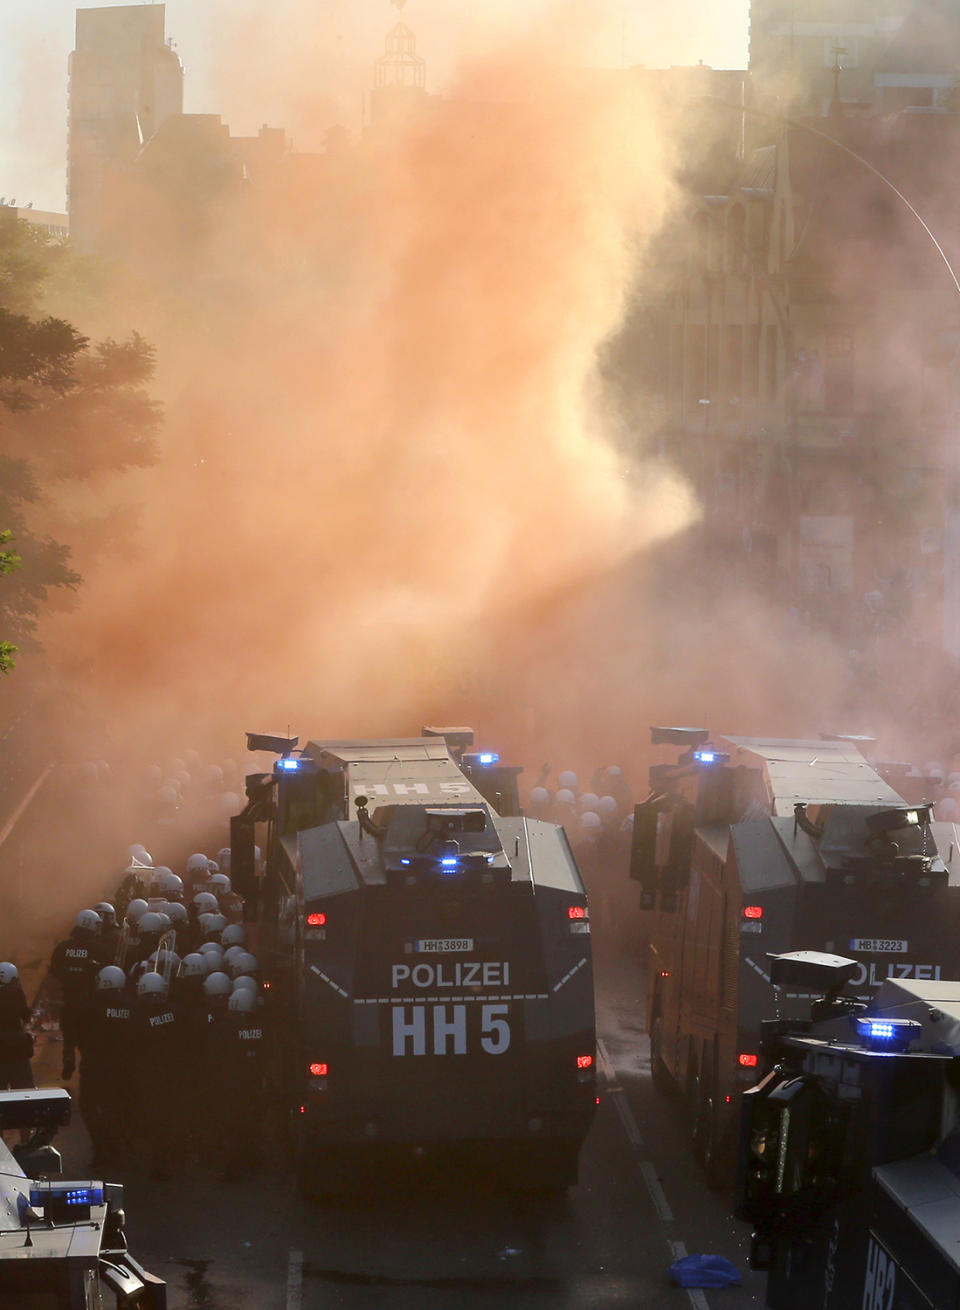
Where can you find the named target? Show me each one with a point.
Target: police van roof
(412, 770)
(811, 772)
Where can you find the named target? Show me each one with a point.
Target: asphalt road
(608, 1243)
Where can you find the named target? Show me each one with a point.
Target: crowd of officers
(164, 1004)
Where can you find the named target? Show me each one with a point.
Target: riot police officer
(16, 1044)
(237, 1065)
(75, 963)
(104, 1073)
(157, 1071)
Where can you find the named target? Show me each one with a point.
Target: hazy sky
(36, 37)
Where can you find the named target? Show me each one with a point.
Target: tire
(658, 1070)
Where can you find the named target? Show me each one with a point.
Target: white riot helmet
(241, 1002)
(565, 797)
(136, 909)
(165, 921)
(8, 973)
(194, 965)
(107, 913)
(245, 983)
(176, 913)
(211, 924)
(219, 884)
(111, 978)
(87, 921)
(152, 922)
(197, 863)
(217, 984)
(567, 779)
(214, 954)
(234, 935)
(223, 858)
(233, 952)
(244, 963)
(205, 903)
(539, 799)
(152, 984)
(590, 822)
(138, 852)
(164, 882)
(589, 800)
(607, 807)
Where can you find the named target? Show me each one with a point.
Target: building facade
(126, 81)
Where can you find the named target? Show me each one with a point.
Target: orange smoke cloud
(386, 445)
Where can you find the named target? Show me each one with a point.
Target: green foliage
(9, 560)
(69, 410)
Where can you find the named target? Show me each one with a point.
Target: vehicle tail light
(753, 911)
(319, 1070)
(577, 912)
(316, 920)
(746, 1060)
(584, 1061)
(664, 973)
(303, 1109)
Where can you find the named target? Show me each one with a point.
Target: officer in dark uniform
(109, 930)
(16, 1044)
(104, 1074)
(157, 1069)
(237, 1065)
(75, 963)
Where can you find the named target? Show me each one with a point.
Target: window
(770, 370)
(751, 362)
(732, 360)
(737, 261)
(838, 391)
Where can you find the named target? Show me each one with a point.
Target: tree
(70, 410)
(9, 561)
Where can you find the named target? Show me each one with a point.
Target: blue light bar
(404, 861)
(289, 765)
(489, 759)
(888, 1034)
(449, 862)
(705, 757)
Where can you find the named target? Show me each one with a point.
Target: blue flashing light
(289, 765)
(404, 861)
(705, 757)
(888, 1034)
(489, 759)
(449, 862)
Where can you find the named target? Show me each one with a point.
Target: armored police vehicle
(62, 1243)
(431, 954)
(748, 846)
(849, 1163)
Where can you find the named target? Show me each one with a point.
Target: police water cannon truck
(430, 958)
(751, 846)
(62, 1243)
(849, 1161)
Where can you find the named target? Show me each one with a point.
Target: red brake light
(303, 1109)
(577, 912)
(316, 920)
(319, 1070)
(584, 1061)
(748, 1061)
(753, 911)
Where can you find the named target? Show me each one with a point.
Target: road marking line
(626, 1117)
(657, 1194)
(606, 1068)
(295, 1280)
(697, 1298)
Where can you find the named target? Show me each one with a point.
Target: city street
(641, 1201)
